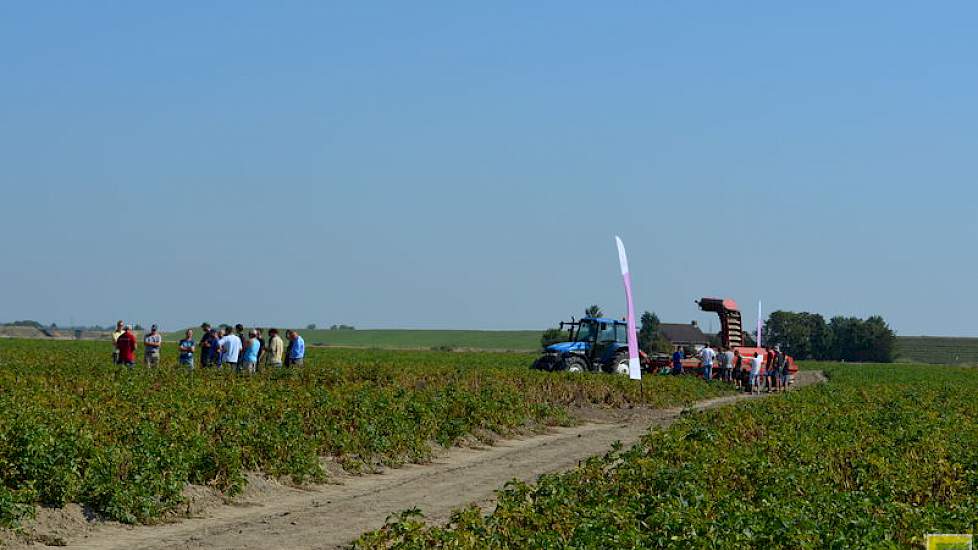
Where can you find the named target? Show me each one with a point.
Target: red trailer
(731, 337)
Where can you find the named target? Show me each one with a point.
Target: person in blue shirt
(297, 349)
(677, 361)
(249, 358)
(187, 350)
(213, 356)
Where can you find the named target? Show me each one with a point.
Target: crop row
(126, 442)
(878, 457)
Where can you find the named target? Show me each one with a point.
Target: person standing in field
(261, 344)
(297, 350)
(722, 363)
(205, 344)
(677, 361)
(706, 355)
(772, 372)
(785, 372)
(126, 344)
(739, 370)
(728, 371)
(273, 355)
(151, 347)
(120, 329)
(187, 350)
(230, 347)
(211, 356)
(755, 373)
(782, 369)
(249, 358)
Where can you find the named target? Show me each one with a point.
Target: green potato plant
(878, 457)
(127, 441)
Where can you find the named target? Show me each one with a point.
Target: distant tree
(311, 326)
(803, 335)
(53, 325)
(648, 331)
(553, 336)
(750, 339)
(854, 339)
(26, 323)
(593, 311)
(342, 327)
(138, 327)
(650, 338)
(880, 340)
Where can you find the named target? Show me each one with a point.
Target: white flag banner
(634, 366)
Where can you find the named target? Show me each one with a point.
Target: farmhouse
(680, 334)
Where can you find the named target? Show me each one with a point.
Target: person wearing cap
(187, 350)
(250, 356)
(126, 344)
(120, 329)
(273, 355)
(151, 347)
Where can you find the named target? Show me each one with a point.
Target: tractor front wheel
(575, 364)
(620, 364)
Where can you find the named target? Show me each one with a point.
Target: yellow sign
(948, 542)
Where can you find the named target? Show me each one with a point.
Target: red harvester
(731, 336)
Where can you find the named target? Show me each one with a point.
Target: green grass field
(943, 350)
(478, 340)
(497, 340)
(917, 349)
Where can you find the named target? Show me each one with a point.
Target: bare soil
(271, 514)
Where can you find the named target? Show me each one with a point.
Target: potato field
(126, 442)
(876, 458)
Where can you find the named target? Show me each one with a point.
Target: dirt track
(331, 516)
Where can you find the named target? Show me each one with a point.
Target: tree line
(807, 336)
(802, 335)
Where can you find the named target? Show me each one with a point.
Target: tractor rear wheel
(547, 363)
(575, 364)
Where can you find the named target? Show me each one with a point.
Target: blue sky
(451, 165)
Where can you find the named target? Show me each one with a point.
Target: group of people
(226, 347)
(769, 370)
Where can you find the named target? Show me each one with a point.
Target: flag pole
(759, 324)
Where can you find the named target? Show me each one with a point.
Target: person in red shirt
(126, 345)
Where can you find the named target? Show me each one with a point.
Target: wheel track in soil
(332, 516)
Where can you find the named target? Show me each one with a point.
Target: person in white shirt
(230, 346)
(755, 373)
(707, 355)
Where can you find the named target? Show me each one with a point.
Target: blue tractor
(595, 345)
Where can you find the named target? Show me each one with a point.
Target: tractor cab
(595, 344)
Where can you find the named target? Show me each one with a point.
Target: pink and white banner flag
(634, 367)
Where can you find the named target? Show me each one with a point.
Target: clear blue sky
(454, 165)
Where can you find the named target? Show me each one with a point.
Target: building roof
(683, 333)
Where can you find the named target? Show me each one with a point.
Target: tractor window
(607, 333)
(585, 332)
(621, 333)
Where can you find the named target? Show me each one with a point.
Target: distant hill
(945, 350)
